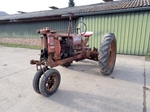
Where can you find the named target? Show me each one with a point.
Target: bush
(147, 57)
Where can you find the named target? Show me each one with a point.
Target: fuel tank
(77, 39)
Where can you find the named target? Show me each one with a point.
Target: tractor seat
(87, 34)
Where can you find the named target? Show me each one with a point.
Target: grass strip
(20, 46)
(147, 57)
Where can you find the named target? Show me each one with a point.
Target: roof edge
(115, 11)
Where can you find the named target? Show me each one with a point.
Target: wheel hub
(112, 53)
(52, 82)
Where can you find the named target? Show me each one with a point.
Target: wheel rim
(112, 54)
(52, 82)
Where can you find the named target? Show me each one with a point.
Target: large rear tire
(107, 54)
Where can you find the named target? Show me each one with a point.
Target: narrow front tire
(50, 82)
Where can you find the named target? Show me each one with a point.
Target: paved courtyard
(82, 87)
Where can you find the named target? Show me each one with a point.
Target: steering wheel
(80, 26)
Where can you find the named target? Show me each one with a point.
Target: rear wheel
(107, 54)
(50, 82)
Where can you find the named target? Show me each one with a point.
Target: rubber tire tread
(104, 53)
(36, 80)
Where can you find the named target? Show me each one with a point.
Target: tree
(71, 3)
(107, 0)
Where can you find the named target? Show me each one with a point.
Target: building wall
(131, 30)
(28, 29)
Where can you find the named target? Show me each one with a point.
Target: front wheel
(107, 54)
(50, 82)
(36, 79)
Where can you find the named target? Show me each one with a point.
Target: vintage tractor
(63, 49)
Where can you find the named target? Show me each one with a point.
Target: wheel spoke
(52, 82)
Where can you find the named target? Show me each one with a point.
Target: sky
(12, 6)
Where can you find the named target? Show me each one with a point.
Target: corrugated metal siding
(28, 30)
(131, 30)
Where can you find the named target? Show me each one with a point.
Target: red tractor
(63, 49)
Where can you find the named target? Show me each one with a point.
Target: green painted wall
(131, 30)
(28, 30)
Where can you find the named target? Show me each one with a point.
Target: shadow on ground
(122, 71)
(77, 101)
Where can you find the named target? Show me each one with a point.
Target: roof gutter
(114, 11)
